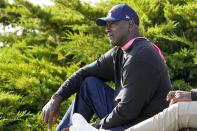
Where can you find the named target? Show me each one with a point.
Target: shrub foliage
(52, 42)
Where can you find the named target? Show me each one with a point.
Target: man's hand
(50, 111)
(178, 96)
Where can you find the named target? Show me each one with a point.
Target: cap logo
(127, 17)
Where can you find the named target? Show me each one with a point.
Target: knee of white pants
(164, 121)
(171, 119)
(183, 111)
(187, 114)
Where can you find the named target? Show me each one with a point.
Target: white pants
(173, 118)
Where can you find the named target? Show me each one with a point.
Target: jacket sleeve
(101, 68)
(138, 86)
(194, 94)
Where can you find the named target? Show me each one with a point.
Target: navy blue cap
(117, 13)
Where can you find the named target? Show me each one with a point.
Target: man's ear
(131, 26)
(131, 23)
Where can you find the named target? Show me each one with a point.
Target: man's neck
(132, 36)
(130, 41)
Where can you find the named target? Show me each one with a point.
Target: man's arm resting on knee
(101, 68)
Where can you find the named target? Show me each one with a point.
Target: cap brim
(103, 21)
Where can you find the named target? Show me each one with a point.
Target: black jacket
(141, 77)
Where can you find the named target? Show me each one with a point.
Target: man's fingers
(49, 129)
(46, 115)
(55, 117)
(43, 114)
(50, 119)
(175, 100)
(170, 95)
(50, 112)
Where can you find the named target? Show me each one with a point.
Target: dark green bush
(59, 39)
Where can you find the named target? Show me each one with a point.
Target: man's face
(117, 32)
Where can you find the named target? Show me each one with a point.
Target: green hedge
(58, 40)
